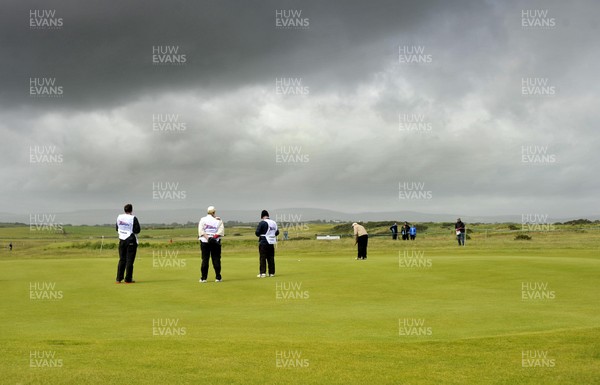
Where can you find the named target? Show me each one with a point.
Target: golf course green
(496, 311)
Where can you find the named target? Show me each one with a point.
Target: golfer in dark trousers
(361, 238)
(128, 227)
(210, 231)
(267, 233)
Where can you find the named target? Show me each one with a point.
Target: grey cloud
(348, 124)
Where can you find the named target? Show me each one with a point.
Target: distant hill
(94, 217)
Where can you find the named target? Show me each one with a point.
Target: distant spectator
(361, 238)
(10, 246)
(459, 227)
(394, 229)
(413, 232)
(404, 231)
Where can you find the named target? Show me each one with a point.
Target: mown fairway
(426, 312)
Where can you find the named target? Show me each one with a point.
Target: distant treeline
(578, 222)
(376, 227)
(339, 227)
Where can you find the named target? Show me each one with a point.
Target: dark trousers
(362, 241)
(266, 257)
(461, 239)
(394, 235)
(127, 251)
(210, 250)
(412, 237)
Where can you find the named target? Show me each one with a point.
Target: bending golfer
(210, 231)
(267, 233)
(361, 238)
(127, 226)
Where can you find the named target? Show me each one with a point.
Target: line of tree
(378, 227)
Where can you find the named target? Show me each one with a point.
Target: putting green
(421, 313)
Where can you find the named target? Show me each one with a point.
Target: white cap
(211, 209)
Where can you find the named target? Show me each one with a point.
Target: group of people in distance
(210, 231)
(406, 231)
(361, 237)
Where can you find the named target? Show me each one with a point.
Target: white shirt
(210, 226)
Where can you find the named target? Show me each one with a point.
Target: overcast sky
(362, 72)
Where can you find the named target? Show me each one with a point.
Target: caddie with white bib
(127, 227)
(210, 231)
(267, 233)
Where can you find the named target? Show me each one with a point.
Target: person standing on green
(210, 231)
(267, 233)
(128, 228)
(361, 238)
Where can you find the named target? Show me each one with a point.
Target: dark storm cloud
(102, 55)
(347, 124)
